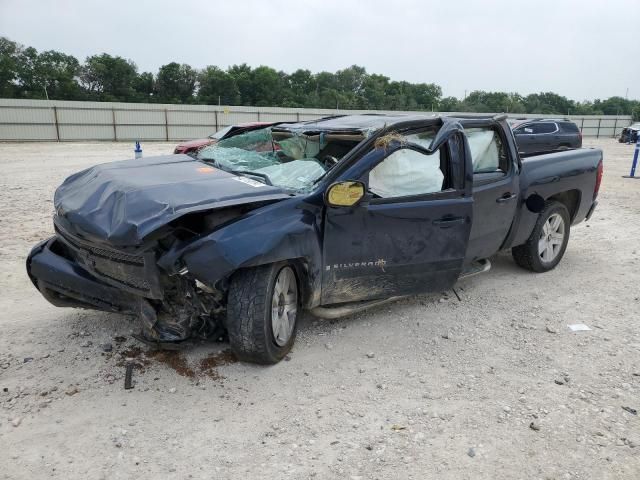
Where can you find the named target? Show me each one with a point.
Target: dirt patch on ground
(209, 365)
(177, 361)
(174, 360)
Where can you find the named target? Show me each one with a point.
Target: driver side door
(410, 234)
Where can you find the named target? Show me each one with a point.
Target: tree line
(27, 73)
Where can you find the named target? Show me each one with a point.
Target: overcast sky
(575, 48)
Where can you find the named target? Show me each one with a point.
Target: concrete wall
(44, 120)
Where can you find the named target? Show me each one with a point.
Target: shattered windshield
(289, 159)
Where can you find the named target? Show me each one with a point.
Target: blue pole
(634, 164)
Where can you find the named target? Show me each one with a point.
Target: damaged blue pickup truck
(329, 216)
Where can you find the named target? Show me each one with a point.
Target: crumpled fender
(282, 231)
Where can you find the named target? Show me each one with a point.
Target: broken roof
(367, 123)
(362, 122)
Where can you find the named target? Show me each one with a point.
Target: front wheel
(262, 311)
(546, 246)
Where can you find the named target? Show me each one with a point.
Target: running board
(476, 268)
(338, 311)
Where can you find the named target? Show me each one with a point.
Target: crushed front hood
(122, 202)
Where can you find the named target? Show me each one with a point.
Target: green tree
(614, 106)
(487, 102)
(242, 75)
(176, 82)
(216, 85)
(426, 95)
(267, 86)
(109, 78)
(299, 89)
(25, 73)
(58, 73)
(449, 104)
(374, 91)
(400, 97)
(350, 84)
(326, 95)
(9, 52)
(145, 87)
(30, 83)
(548, 102)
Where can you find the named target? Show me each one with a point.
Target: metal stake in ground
(634, 164)
(128, 381)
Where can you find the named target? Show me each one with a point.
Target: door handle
(446, 222)
(506, 197)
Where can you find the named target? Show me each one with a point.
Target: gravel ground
(492, 386)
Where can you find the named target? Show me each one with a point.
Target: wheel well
(302, 273)
(570, 199)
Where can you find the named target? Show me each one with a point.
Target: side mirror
(344, 194)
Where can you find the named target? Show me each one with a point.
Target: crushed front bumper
(65, 284)
(182, 313)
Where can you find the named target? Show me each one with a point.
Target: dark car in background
(543, 135)
(630, 134)
(191, 147)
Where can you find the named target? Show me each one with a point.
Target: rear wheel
(262, 312)
(546, 246)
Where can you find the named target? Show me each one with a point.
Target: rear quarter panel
(554, 173)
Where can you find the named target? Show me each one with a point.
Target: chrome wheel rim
(551, 238)
(284, 306)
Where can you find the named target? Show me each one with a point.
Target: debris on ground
(579, 327)
(128, 376)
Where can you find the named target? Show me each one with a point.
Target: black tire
(249, 322)
(528, 255)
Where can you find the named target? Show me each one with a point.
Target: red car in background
(191, 147)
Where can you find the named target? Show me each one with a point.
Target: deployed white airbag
(484, 150)
(406, 172)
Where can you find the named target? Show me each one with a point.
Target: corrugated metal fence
(43, 120)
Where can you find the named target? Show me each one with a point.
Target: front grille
(121, 269)
(114, 270)
(114, 255)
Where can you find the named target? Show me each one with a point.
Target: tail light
(598, 179)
